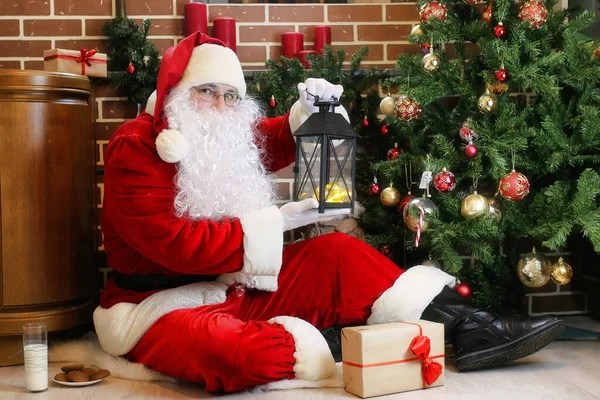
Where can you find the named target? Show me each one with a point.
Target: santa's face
(222, 175)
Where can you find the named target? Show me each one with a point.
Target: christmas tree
(134, 58)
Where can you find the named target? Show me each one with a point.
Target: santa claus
(203, 288)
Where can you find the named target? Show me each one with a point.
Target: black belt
(148, 282)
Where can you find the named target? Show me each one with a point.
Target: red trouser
(329, 280)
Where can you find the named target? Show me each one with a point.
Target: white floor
(561, 371)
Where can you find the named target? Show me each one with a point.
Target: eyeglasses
(209, 94)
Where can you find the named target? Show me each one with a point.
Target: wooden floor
(561, 371)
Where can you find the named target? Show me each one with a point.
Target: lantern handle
(325, 105)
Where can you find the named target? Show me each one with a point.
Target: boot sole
(511, 351)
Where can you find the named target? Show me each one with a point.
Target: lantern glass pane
(339, 183)
(309, 166)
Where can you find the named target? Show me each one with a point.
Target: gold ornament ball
(495, 211)
(390, 196)
(533, 270)
(474, 205)
(416, 30)
(388, 106)
(487, 102)
(561, 272)
(431, 62)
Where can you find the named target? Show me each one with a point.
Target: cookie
(72, 367)
(61, 377)
(77, 376)
(89, 371)
(100, 374)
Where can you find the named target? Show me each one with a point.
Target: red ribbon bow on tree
(431, 370)
(85, 56)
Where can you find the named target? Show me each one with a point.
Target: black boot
(333, 336)
(483, 339)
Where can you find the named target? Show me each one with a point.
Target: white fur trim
(299, 115)
(212, 63)
(121, 326)
(314, 361)
(287, 384)
(410, 295)
(88, 351)
(151, 103)
(171, 146)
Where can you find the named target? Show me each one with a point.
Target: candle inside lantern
(224, 30)
(302, 56)
(195, 18)
(291, 43)
(322, 37)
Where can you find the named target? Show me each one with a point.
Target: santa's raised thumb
(196, 60)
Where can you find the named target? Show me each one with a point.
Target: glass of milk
(35, 352)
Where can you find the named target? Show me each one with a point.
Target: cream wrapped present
(393, 358)
(83, 62)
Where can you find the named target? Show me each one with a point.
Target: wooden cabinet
(46, 192)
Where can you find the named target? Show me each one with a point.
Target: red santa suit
(207, 331)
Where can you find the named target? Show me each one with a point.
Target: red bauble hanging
(403, 202)
(386, 250)
(464, 290)
(374, 188)
(500, 31)
(433, 9)
(365, 122)
(393, 153)
(130, 68)
(487, 13)
(471, 150)
(272, 102)
(407, 109)
(425, 48)
(384, 130)
(534, 13)
(467, 134)
(514, 186)
(502, 74)
(444, 181)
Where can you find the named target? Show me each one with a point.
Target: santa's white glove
(304, 107)
(305, 212)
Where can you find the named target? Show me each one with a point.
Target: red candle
(195, 18)
(224, 30)
(301, 55)
(322, 37)
(291, 43)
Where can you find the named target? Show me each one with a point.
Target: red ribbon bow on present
(421, 346)
(85, 56)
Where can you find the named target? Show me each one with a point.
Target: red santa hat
(198, 59)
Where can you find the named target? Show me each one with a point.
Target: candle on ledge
(224, 30)
(302, 56)
(322, 37)
(195, 18)
(291, 43)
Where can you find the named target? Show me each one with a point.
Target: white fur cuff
(410, 295)
(314, 361)
(171, 146)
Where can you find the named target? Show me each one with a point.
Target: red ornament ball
(272, 102)
(502, 75)
(384, 130)
(500, 31)
(433, 9)
(374, 188)
(471, 150)
(514, 186)
(130, 69)
(407, 109)
(393, 153)
(403, 202)
(425, 47)
(386, 250)
(487, 14)
(464, 290)
(444, 181)
(597, 52)
(467, 134)
(533, 12)
(365, 122)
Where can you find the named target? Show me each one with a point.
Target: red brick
(274, 52)
(93, 27)
(551, 304)
(78, 7)
(163, 44)
(309, 13)
(394, 50)
(245, 13)
(105, 130)
(103, 89)
(339, 33)
(283, 190)
(118, 110)
(24, 48)
(402, 12)
(383, 33)
(149, 7)
(22, 7)
(34, 65)
(286, 173)
(267, 33)
(357, 13)
(54, 27)
(10, 64)
(10, 27)
(248, 54)
(179, 6)
(253, 67)
(164, 26)
(100, 44)
(375, 51)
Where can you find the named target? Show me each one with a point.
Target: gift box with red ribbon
(83, 62)
(393, 358)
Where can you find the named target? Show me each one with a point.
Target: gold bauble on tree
(533, 270)
(431, 61)
(474, 205)
(416, 30)
(561, 272)
(390, 196)
(487, 102)
(388, 106)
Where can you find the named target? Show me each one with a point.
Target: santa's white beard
(222, 175)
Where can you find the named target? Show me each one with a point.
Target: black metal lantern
(326, 158)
